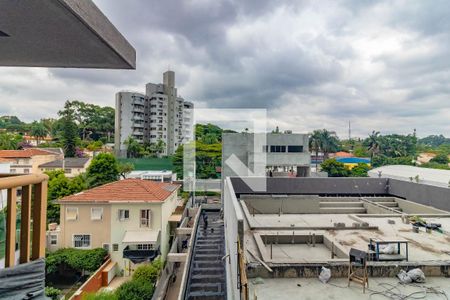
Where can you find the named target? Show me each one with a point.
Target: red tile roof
(127, 190)
(343, 154)
(26, 153)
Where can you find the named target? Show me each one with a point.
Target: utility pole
(349, 131)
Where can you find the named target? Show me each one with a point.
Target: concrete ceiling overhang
(61, 33)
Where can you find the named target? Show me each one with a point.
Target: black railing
(138, 256)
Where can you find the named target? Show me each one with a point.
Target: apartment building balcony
(138, 108)
(138, 118)
(137, 133)
(138, 125)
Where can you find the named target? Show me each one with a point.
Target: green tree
(103, 169)
(134, 148)
(135, 290)
(315, 143)
(125, 168)
(373, 144)
(52, 293)
(441, 158)
(76, 259)
(39, 131)
(329, 142)
(69, 130)
(148, 272)
(334, 168)
(103, 295)
(360, 170)
(10, 141)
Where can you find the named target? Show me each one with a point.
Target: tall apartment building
(159, 114)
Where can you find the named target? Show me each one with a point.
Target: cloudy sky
(384, 65)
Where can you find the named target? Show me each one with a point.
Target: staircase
(206, 279)
(337, 207)
(388, 202)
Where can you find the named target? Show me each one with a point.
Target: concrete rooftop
(313, 289)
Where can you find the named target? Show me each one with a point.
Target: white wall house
(129, 218)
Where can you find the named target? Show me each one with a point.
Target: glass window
(145, 217)
(124, 214)
(72, 213)
(144, 246)
(277, 148)
(295, 148)
(115, 247)
(106, 247)
(96, 213)
(53, 239)
(82, 241)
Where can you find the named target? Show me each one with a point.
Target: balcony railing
(38, 201)
(138, 256)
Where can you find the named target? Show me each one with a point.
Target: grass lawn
(141, 164)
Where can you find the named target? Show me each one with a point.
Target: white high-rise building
(157, 115)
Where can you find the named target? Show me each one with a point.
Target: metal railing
(34, 191)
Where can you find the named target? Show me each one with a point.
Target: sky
(383, 65)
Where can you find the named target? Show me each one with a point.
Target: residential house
(72, 166)
(27, 161)
(129, 218)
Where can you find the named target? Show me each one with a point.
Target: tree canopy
(103, 169)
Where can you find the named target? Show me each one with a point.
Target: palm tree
(39, 131)
(315, 143)
(329, 142)
(374, 144)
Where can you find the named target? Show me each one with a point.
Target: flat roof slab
(313, 289)
(61, 33)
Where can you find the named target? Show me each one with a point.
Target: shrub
(148, 273)
(104, 295)
(135, 290)
(360, 170)
(77, 259)
(334, 168)
(52, 293)
(440, 159)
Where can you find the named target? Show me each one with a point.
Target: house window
(96, 213)
(67, 171)
(26, 171)
(124, 214)
(295, 148)
(115, 247)
(144, 246)
(72, 213)
(106, 247)
(82, 241)
(145, 217)
(53, 239)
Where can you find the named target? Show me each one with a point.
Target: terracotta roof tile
(26, 153)
(127, 190)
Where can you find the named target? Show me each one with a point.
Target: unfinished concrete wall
(438, 197)
(267, 204)
(234, 232)
(410, 207)
(314, 186)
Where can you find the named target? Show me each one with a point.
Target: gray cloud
(383, 65)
